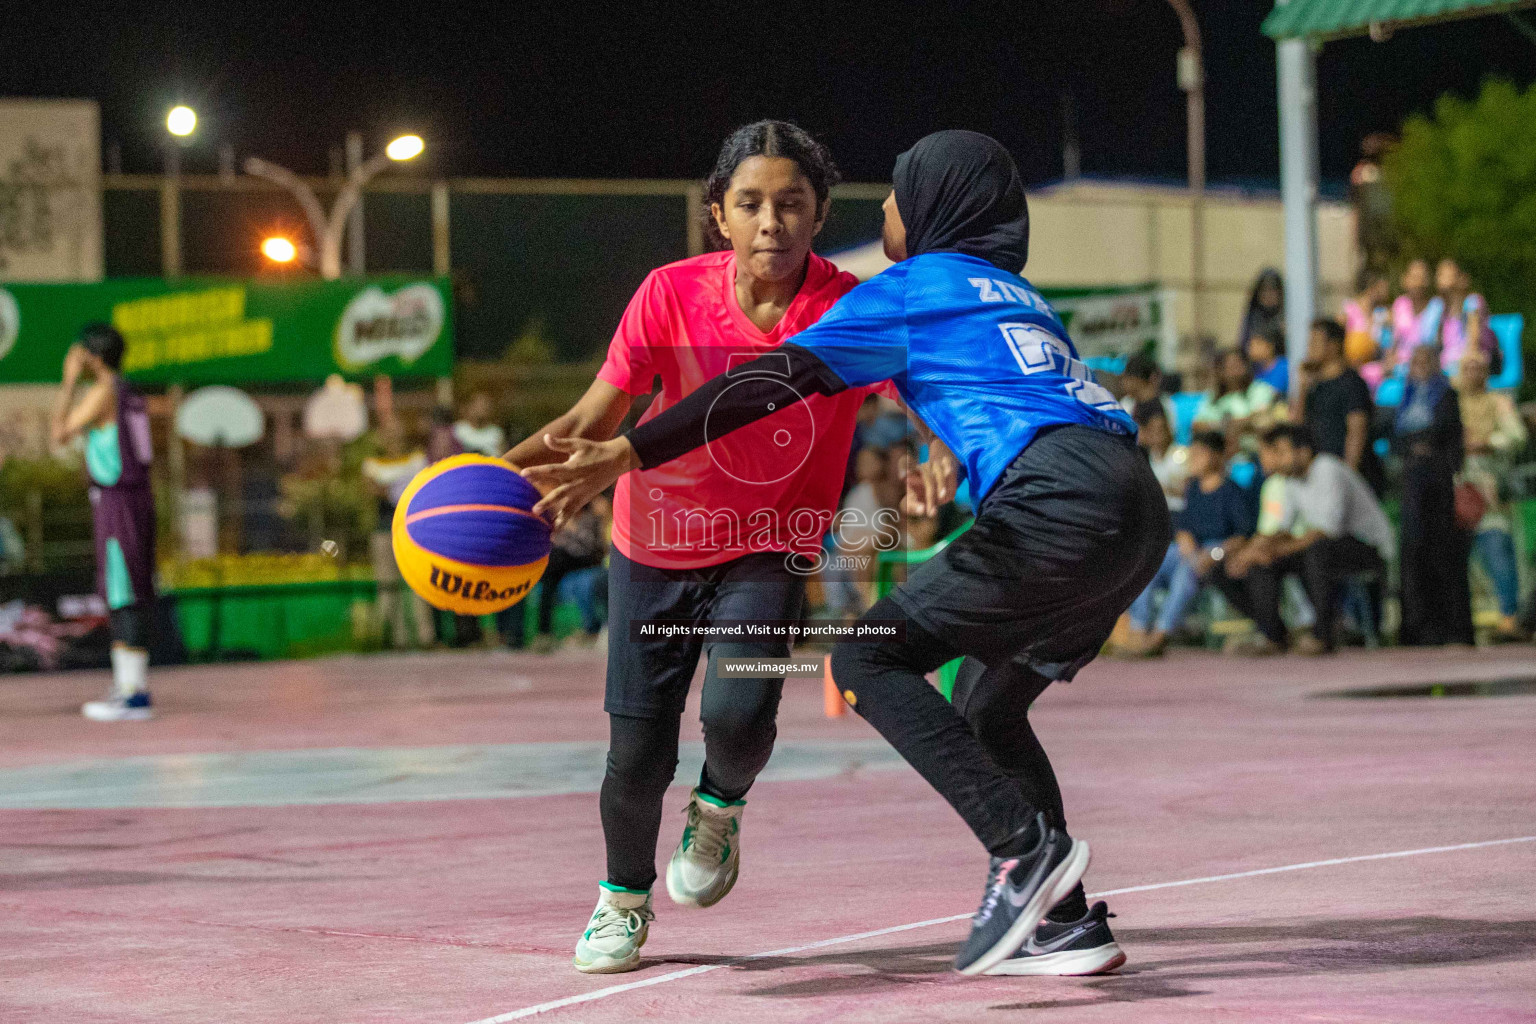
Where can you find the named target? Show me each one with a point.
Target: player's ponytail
(767, 138)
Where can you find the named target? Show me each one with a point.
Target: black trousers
(1432, 572)
(1063, 544)
(648, 685)
(1324, 568)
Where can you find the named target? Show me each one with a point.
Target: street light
(279, 249)
(406, 147)
(181, 121)
(328, 230)
(1191, 76)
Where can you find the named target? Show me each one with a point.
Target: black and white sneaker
(1020, 891)
(1067, 948)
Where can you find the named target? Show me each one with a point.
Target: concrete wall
(1107, 233)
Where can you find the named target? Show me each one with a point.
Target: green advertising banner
(208, 331)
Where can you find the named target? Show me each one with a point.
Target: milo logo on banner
(376, 325)
(10, 322)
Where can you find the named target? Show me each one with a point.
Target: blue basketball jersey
(973, 350)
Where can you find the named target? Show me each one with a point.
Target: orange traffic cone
(832, 702)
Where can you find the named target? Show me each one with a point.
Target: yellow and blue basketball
(466, 538)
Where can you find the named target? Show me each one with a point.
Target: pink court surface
(415, 839)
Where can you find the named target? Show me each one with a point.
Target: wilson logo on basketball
(474, 590)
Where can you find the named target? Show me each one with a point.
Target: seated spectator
(1142, 381)
(475, 432)
(1336, 405)
(1433, 584)
(854, 537)
(1169, 460)
(1239, 406)
(1345, 533)
(1495, 434)
(1266, 351)
(579, 544)
(1215, 523)
(1464, 319)
(1368, 321)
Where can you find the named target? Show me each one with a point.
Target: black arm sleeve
(744, 394)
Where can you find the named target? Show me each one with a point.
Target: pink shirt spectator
(1453, 333)
(770, 486)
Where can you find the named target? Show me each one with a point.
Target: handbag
(1471, 506)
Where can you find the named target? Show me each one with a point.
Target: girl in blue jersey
(1071, 524)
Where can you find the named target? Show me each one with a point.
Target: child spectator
(1266, 350)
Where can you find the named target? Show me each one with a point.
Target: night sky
(586, 90)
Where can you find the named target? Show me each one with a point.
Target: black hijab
(960, 191)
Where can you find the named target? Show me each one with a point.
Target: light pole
(1191, 71)
(180, 122)
(329, 230)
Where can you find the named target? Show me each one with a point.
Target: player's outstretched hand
(590, 468)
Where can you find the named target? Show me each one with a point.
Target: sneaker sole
(611, 965)
(131, 715)
(675, 889)
(1058, 884)
(1066, 964)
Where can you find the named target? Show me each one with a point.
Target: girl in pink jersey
(719, 538)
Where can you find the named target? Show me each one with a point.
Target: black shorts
(1063, 543)
(649, 678)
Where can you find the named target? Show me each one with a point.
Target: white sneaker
(135, 708)
(704, 866)
(618, 928)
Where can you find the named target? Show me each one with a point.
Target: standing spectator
(1266, 350)
(1464, 323)
(389, 472)
(1336, 404)
(1494, 433)
(1343, 533)
(475, 431)
(1215, 523)
(1368, 325)
(1238, 406)
(1142, 381)
(1375, 234)
(1437, 600)
(1266, 308)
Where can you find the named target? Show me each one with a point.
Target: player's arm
(748, 393)
(71, 418)
(594, 417)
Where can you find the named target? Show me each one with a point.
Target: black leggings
(990, 706)
(739, 717)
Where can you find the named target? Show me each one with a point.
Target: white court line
(661, 979)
